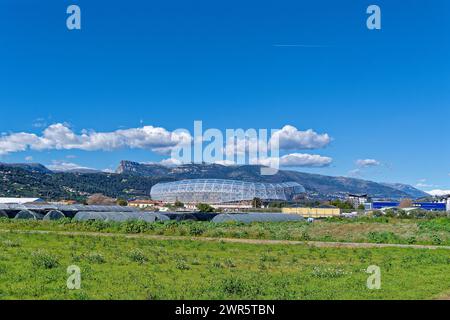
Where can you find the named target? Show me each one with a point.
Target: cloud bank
(60, 136)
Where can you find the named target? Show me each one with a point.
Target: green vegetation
(344, 205)
(122, 202)
(34, 266)
(205, 208)
(257, 203)
(18, 182)
(178, 204)
(371, 230)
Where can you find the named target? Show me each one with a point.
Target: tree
(256, 203)
(342, 205)
(406, 203)
(361, 207)
(122, 202)
(100, 199)
(205, 208)
(179, 204)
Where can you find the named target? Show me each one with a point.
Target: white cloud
(58, 165)
(438, 192)
(290, 138)
(170, 162)
(296, 160)
(60, 137)
(364, 163)
(305, 160)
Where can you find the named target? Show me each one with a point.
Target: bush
(196, 230)
(234, 286)
(206, 208)
(328, 273)
(436, 239)
(138, 256)
(136, 226)
(43, 259)
(95, 257)
(181, 264)
(11, 244)
(383, 237)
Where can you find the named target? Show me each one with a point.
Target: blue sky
(381, 95)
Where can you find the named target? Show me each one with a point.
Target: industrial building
(429, 206)
(314, 212)
(216, 191)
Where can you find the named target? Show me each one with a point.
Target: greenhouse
(214, 191)
(54, 215)
(120, 216)
(30, 215)
(67, 210)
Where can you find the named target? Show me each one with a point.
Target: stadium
(216, 191)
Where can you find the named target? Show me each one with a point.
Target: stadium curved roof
(223, 191)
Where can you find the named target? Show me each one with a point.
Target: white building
(358, 199)
(19, 200)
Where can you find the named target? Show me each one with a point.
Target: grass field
(370, 230)
(33, 266)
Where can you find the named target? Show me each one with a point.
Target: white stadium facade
(216, 191)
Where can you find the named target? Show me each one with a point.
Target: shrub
(11, 244)
(138, 256)
(196, 230)
(383, 237)
(181, 264)
(95, 257)
(43, 259)
(229, 263)
(411, 240)
(233, 286)
(436, 239)
(328, 273)
(135, 226)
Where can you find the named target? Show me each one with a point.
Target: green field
(33, 266)
(434, 231)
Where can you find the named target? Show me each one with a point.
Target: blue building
(429, 206)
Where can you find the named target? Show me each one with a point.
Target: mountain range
(319, 186)
(134, 179)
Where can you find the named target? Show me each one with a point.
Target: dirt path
(319, 244)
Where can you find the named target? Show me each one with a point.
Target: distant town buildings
(144, 204)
